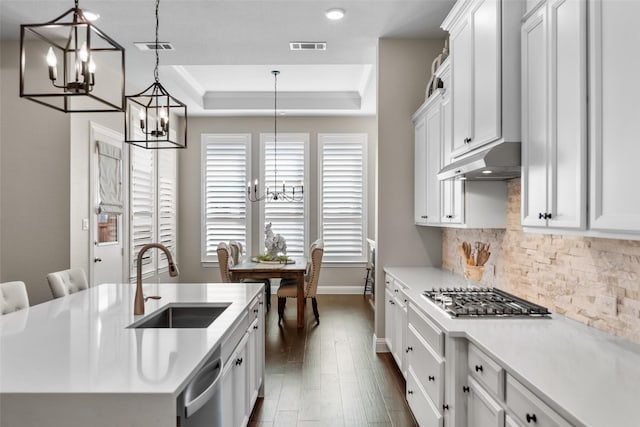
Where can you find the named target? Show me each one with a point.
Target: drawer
(425, 413)
(254, 308)
(231, 339)
(389, 283)
(427, 366)
(428, 330)
(528, 409)
(486, 371)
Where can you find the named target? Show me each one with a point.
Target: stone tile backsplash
(593, 280)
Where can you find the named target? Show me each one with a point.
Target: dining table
(250, 268)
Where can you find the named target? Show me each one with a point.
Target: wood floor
(327, 374)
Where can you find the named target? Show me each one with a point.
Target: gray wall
(34, 184)
(404, 67)
(189, 187)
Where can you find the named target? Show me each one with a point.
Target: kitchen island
(73, 361)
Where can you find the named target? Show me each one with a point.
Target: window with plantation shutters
(288, 218)
(153, 197)
(342, 201)
(167, 204)
(143, 207)
(225, 209)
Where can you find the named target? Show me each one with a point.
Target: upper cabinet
(580, 128)
(554, 126)
(613, 112)
(485, 69)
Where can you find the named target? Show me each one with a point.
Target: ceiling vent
(308, 45)
(145, 46)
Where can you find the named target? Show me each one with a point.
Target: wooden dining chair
(65, 282)
(235, 249)
(13, 297)
(225, 260)
(289, 288)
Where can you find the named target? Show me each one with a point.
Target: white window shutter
(343, 201)
(167, 204)
(288, 218)
(143, 202)
(225, 207)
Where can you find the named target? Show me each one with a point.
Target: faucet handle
(152, 297)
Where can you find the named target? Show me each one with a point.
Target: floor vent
(152, 46)
(308, 45)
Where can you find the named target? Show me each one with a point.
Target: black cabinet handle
(424, 216)
(445, 407)
(448, 216)
(260, 303)
(409, 349)
(409, 391)
(239, 361)
(255, 310)
(465, 389)
(478, 368)
(540, 215)
(531, 418)
(547, 216)
(395, 290)
(391, 301)
(255, 327)
(431, 378)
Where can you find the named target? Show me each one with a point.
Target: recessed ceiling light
(91, 16)
(487, 172)
(335, 14)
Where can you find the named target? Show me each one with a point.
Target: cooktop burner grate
(480, 302)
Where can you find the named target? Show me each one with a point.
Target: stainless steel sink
(181, 316)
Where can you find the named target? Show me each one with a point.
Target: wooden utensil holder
(474, 272)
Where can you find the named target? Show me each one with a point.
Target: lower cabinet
(482, 409)
(424, 411)
(396, 322)
(243, 372)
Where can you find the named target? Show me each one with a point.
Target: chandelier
(151, 116)
(278, 192)
(70, 51)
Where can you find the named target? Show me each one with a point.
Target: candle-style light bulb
(84, 53)
(164, 121)
(92, 72)
(142, 118)
(52, 62)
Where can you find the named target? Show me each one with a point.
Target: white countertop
(587, 375)
(81, 344)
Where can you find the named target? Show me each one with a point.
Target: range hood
(495, 163)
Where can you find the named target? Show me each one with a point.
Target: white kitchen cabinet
(554, 116)
(428, 142)
(396, 322)
(389, 317)
(243, 371)
(482, 409)
(423, 409)
(523, 405)
(234, 397)
(614, 60)
(485, 71)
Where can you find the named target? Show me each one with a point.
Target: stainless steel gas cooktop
(481, 302)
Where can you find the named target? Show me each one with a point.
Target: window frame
(285, 137)
(205, 139)
(361, 138)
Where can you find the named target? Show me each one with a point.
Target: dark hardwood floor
(327, 374)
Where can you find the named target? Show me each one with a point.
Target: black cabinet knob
(255, 327)
(445, 407)
(239, 361)
(255, 310)
(531, 418)
(409, 349)
(465, 389)
(541, 215)
(431, 378)
(449, 216)
(547, 216)
(409, 391)
(391, 301)
(478, 368)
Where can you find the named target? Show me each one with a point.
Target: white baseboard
(332, 290)
(379, 345)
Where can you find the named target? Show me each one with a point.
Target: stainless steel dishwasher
(199, 405)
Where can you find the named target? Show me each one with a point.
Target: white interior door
(108, 229)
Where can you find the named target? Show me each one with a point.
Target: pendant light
(70, 65)
(296, 193)
(151, 115)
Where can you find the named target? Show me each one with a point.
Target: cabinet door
(240, 401)
(398, 332)
(534, 121)
(252, 364)
(482, 409)
(568, 113)
(389, 317)
(226, 407)
(614, 60)
(486, 69)
(461, 86)
(420, 172)
(434, 146)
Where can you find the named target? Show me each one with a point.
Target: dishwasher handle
(191, 406)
